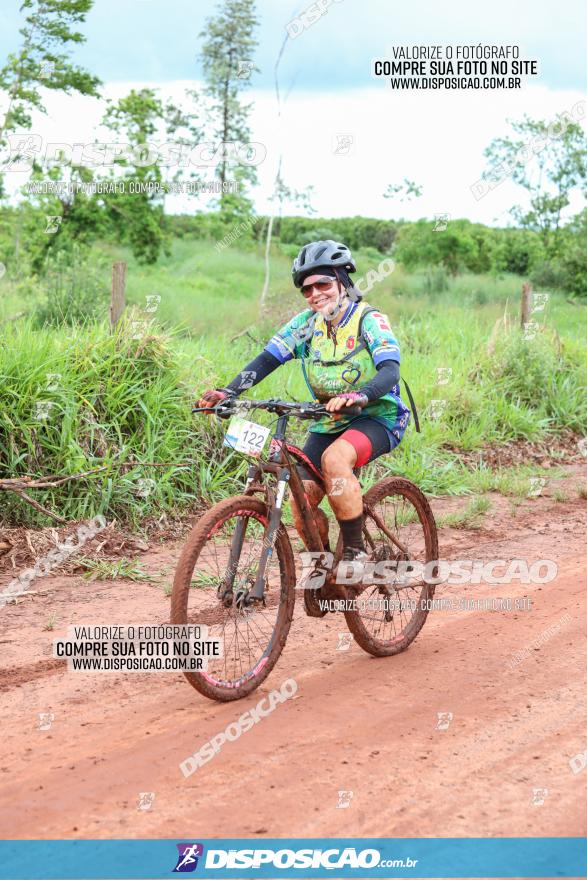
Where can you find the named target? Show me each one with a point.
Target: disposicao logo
(187, 860)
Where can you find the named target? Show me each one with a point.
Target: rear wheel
(253, 635)
(399, 527)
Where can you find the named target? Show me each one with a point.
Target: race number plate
(247, 437)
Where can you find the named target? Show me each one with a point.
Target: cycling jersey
(344, 363)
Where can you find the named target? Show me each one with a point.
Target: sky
(435, 138)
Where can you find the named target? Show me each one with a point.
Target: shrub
(320, 233)
(574, 268)
(356, 232)
(74, 294)
(419, 244)
(549, 273)
(534, 373)
(101, 400)
(436, 280)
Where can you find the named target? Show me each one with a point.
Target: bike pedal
(312, 605)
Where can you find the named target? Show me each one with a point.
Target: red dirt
(357, 723)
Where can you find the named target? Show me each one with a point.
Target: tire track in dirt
(14, 676)
(360, 724)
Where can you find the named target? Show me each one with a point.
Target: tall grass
(112, 400)
(72, 402)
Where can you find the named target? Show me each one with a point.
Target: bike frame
(281, 462)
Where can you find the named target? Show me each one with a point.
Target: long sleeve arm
(259, 368)
(387, 376)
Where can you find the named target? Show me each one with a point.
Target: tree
(571, 268)
(547, 163)
(138, 215)
(65, 219)
(419, 245)
(183, 128)
(227, 59)
(42, 61)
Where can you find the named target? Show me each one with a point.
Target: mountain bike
(237, 575)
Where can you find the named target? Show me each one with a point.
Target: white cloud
(434, 138)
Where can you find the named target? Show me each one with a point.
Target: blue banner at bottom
(285, 857)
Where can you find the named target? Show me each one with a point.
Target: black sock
(352, 532)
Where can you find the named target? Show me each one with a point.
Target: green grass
(122, 404)
(121, 569)
(469, 518)
(51, 622)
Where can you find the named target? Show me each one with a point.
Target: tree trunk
(225, 125)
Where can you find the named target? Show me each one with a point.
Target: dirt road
(357, 724)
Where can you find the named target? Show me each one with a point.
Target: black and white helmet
(318, 255)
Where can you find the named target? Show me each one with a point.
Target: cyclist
(349, 357)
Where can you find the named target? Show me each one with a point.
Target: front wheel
(400, 530)
(253, 635)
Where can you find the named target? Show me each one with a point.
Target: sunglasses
(321, 286)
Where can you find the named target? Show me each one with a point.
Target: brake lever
(319, 412)
(222, 410)
(225, 412)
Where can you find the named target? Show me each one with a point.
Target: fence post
(526, 309)
(118, 286)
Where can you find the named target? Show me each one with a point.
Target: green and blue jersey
(344, 362)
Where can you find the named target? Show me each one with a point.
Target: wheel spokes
(394, 534)
(246, 631)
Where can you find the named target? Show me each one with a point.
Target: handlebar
(311, 410)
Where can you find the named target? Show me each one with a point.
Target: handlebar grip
(351, 411)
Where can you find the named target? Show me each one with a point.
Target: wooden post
(526, 309)
(117, 300)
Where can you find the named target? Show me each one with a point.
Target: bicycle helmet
(319, 255)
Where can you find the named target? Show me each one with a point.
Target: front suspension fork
(257, 593)
(226, 587)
